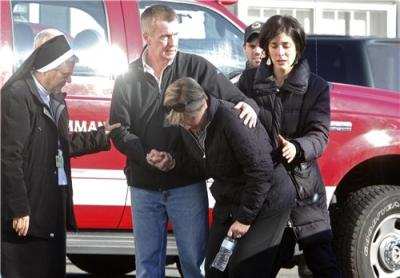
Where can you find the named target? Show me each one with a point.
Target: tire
(367, 233)
(104, 265)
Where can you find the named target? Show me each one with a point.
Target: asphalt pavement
(171, 272)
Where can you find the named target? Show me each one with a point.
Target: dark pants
(318, 253)
(255, 253)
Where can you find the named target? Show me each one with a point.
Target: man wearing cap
(251, 45)
(36, 192)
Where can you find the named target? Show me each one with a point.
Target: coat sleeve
(252, 151)
(81, 143)
(123, 138)
(216, 84)
(315, 126)
(15, 137)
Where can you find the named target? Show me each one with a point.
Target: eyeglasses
(180, 107)
(65, 75)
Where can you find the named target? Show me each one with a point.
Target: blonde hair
(154, 13)
(182, 98)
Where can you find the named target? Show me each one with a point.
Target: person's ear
(205, 104)
(146, 37)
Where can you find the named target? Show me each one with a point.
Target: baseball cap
(252, 30)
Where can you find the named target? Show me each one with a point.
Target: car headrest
(86, 39)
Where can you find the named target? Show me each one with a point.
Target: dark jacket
(246, 183)
(29, 143)
(137, 103)
(300, 111)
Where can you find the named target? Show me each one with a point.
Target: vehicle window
(208, 34)
(385, 68)
(327, 61)
(83, 22)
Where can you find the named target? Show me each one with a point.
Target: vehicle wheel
(367, 233)
(104, 265)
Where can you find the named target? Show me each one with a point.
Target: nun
(36, 191)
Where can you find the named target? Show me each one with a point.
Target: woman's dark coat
(29, 143)
(246, 182)
(300, 112)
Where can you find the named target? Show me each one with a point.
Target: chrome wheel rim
(385, 248)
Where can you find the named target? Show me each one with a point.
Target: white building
(339, 17)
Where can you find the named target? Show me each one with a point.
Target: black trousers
(318, 253)
(255, 253)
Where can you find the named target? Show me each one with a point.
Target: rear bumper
(108, 243)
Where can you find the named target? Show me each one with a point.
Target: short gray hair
(182, 98)
(154, 13)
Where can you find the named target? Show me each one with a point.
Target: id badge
(59, 160)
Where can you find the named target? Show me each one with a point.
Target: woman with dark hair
(253, 195)
(295, 110)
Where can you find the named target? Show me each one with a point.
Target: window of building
(333, 22)
(375, 18)
(253, 12)
(353, 22)
(378, 26)
(358, 26)
(304, 16)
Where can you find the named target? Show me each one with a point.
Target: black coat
(137, 103)
(246, 183)
(29, 143)
(304, 119)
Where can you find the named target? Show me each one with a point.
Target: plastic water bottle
(222, 258)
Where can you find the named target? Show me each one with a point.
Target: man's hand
(237, 230)
(108, 128)
(21, 225)
(248, 113)
(288, 149)
(163, 161)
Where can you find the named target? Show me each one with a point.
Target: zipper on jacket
(197, 142)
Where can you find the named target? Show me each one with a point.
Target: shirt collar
(147, 67)
(43, 93)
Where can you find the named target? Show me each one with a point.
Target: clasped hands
(21, 225)
(161, 160)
